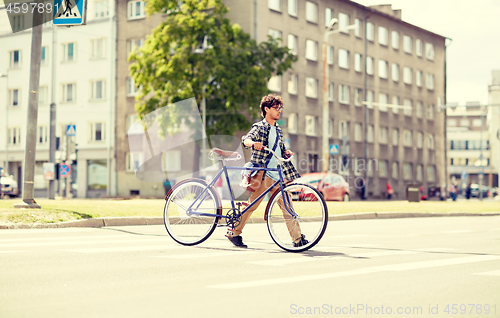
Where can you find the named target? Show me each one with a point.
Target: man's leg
(266, 183)
(292, 224)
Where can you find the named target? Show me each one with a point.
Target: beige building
(398, 64)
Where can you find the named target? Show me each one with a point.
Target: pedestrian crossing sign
(70, 12)
(70, 130)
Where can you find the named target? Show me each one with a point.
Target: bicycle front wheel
(186, 228)
(309, 217)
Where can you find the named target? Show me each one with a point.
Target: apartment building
(493, 122)
(399, 64)
(82, 92)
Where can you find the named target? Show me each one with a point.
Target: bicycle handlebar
(279, 159)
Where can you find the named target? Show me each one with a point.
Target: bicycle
(193, 208)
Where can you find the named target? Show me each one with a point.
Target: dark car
(332, 186)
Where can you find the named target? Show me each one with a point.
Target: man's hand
(289, 153)
(257, 145)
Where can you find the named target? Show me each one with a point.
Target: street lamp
(326, 74)
(6, 168)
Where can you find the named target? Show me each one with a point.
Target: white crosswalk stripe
(492, 273)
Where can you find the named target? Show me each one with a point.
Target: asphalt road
(422, 267)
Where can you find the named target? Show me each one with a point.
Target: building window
(101, 9)
(430, 142)
(395, 101)
(369, 65)
(408, 107)
(407, 171)
(97, 48)
(370, 30)
(69, 92)
(382, 168)
(344, 21)
(329, 55)
(311, 50)
(276, 34)
(311, 12)
(395, 40)
(475, 122)
(274, 83)
(98, 90)
(418, 47)
(407, 44)
(358, 98)
(370, 133)
(343, 130)
(407, 138)
(382, 69)
(293, 84)
(407, 75)
(134, 44)
(383, 37)
(134, 125)
(97, 132)
(429, 51)
(395, 72)
(328, 16)
(43, 136)
(14, 96)
(420, 140)
(357, 62)
(343, 94)
(172, 160)
(330, 127)
(383, 135)
(430, 174)
(418, 78)
(420, 109)
(69, 52)
(292, 7)
(135, 10)
(395, 170)
(43, 57)
(343, 58)
(311, 87)
(134, 161)
(357, 31)
(14, 136)
(131, 87)
(15, 59)
(419, 174)
(293, 44)
(18, 22)
(382, 101)
(370, 97)
(395, 137)
(464, 123)
(292, 123)
(42, 96)
(358, 132)
(429, 83)
(330, 92)
(311, 123)
(430, 111)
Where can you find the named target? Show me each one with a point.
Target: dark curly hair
(269, 101)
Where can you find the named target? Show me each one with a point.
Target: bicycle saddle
(226, 154)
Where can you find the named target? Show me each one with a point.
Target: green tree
(169, 68)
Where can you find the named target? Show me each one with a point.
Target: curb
(129, 221)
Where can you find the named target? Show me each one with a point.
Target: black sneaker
(237, 241)
(302, 241)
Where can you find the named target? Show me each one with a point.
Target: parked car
(9, 187)
(474, 191)
(332, 186)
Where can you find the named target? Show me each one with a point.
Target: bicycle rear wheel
(310, 220)
(191, 229)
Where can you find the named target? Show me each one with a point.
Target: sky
(473, 26)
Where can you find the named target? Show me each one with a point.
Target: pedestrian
(362, 191)
(467, 191)
(267, 133)
(389, 190)
(453, 191)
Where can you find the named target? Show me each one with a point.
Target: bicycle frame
(224, 170)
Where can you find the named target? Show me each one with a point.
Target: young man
(265, 134)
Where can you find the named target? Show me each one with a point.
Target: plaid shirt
(260, 133)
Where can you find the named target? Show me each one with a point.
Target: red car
(332, 186)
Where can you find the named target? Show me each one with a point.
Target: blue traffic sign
(69, 12)
(334, 149)
(70, 130)
(65, 170)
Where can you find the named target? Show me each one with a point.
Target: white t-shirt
(273, 163)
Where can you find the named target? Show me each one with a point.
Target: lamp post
(326, 75)
(6, 168)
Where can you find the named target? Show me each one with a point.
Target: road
(418, 267)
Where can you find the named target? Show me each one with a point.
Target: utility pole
(31, 127)
(52, 141)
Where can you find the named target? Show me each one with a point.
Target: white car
(9, 187)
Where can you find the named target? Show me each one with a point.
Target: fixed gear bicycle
(193, 208)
